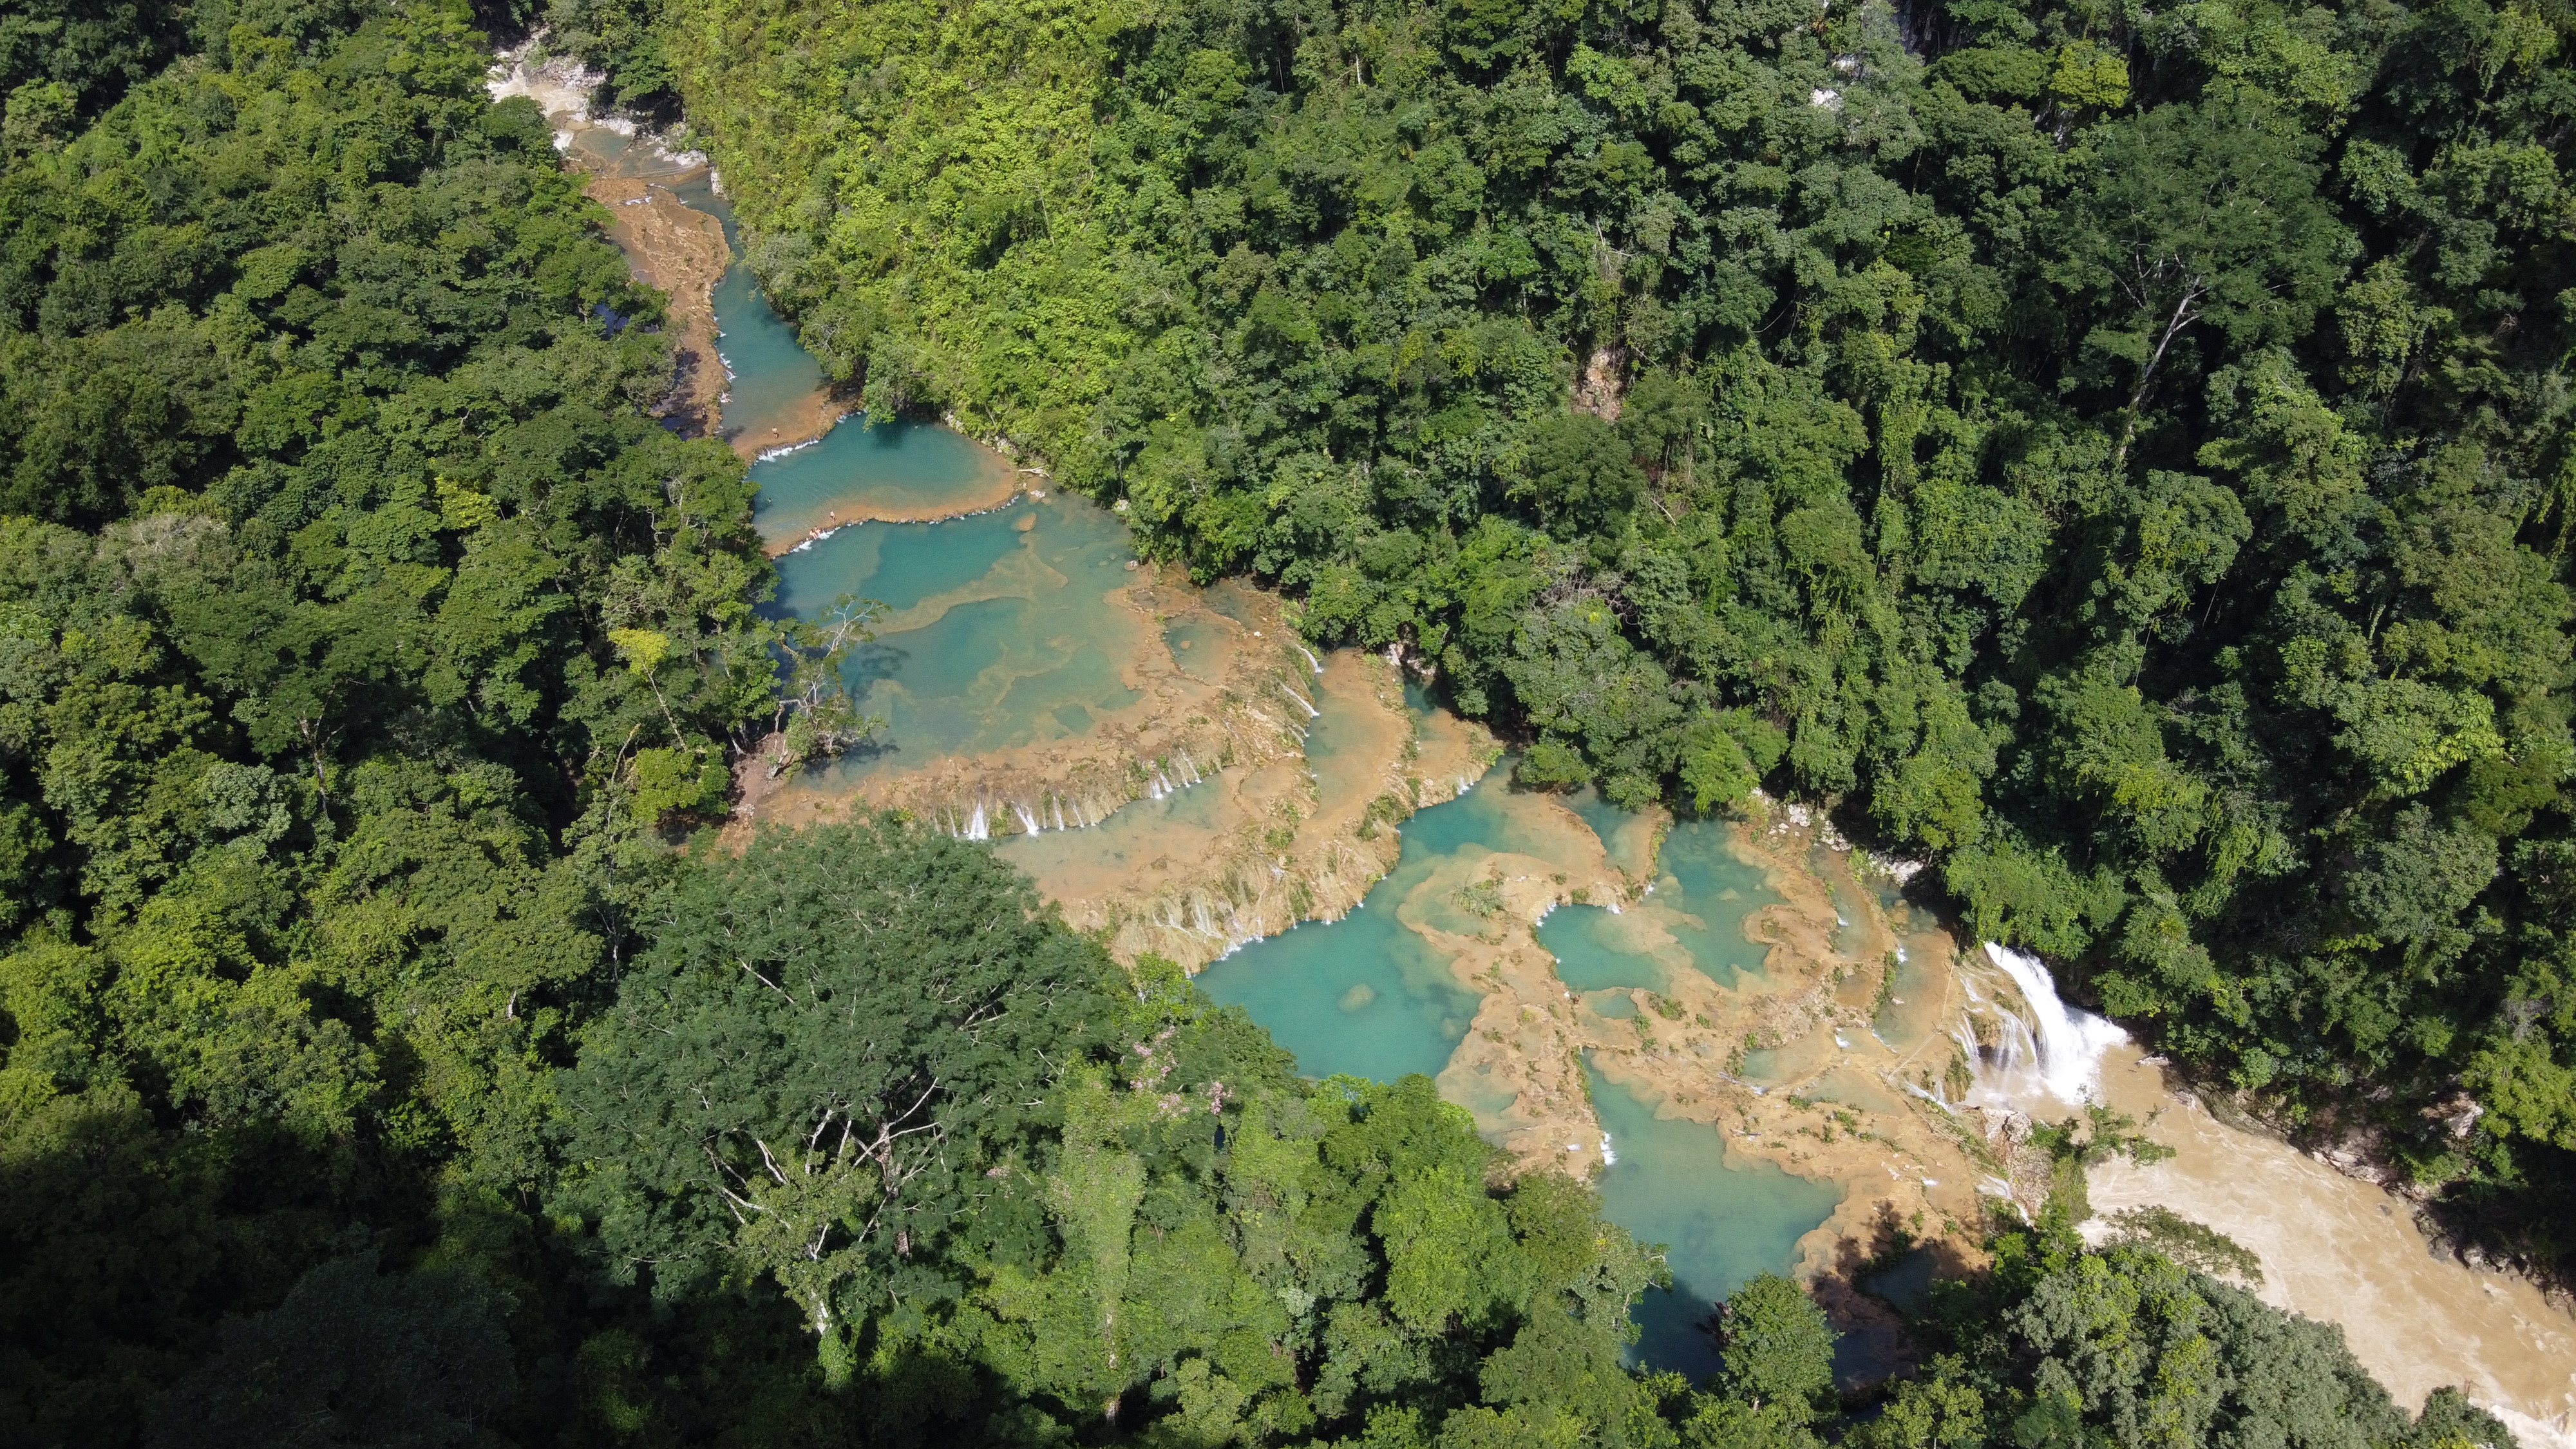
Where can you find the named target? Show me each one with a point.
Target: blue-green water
(1591, 954)
(897, 469)
(1723, 1222)
(1361, 996)
(1627, 836)
(901, 467)
(999, 629)
(1365, 995)
(771, 374)
(1703, 893)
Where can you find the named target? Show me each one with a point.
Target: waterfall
(2046, 1048)
(975, 827)
(1310, 658)
(1311, 711)
(1028, 821)
(1189, 772)
(1057, 801)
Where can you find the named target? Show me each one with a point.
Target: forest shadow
(1880, 1277)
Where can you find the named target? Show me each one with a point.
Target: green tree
(2197, 214)
(832, 1039)
(351, 1357)
(1775, 1349)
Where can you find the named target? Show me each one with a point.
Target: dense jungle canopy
(2119, 454)
(384, 1065)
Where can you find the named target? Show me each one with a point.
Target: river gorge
(1762, 1053)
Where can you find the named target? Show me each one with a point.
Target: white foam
(2048, 1048)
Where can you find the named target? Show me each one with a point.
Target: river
(1741, 1032)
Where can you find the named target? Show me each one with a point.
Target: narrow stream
(998, 628)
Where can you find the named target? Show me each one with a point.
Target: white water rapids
(2045, 1049)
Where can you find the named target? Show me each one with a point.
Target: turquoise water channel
(887, 469)
(1000, 632)
(1701, 895)
(999, 629)
(899, 467)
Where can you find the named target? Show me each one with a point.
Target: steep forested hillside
(2119, 454)
(356, 626)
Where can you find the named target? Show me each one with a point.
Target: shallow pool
(1365, 995)
(999, 632)
(863, 469)
(1671, 1182)
(1693, 920)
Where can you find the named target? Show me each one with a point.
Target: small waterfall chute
(1311, 711)
(976, 829)
(1057, 802)
(1028, 818)
(2047, 1048)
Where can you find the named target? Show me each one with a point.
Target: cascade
(1311, 711)
(2045, 1048)
(975, 827)
(1028, 820)
(1056, 802)
(1311, 659)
